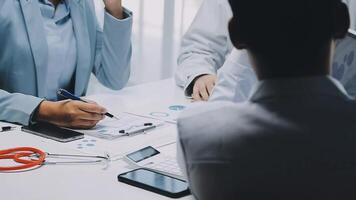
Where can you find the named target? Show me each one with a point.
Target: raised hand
(114, 7)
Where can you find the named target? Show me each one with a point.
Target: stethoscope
(29, 158)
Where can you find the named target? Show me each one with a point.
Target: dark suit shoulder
(208, 130)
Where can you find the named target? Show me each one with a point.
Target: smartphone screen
(344, 63)
(53, 132)
(156, 182)
(143, 154)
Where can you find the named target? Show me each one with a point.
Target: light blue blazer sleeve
(23, 54)
(17, 107)
(113, 51)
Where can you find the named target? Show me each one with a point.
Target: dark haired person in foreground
(296, 136)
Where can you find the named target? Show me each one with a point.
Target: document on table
(156, 138)
(111, 129)
(165, 112)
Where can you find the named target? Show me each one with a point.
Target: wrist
(46, 111)
(117, 13)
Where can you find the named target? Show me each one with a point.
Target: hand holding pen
(73, 113)
(68, 95)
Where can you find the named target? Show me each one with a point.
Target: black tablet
(53, 132)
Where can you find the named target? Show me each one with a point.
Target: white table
(87, 182)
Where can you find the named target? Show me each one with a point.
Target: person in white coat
(204, 49)
(205, 69)
(236, 78)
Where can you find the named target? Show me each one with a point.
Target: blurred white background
(157, 30)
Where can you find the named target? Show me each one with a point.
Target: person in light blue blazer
(52, 44)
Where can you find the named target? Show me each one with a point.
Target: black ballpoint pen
(64, 93)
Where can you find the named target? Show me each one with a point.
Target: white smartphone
(151, 158)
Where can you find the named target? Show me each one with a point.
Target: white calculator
(151, 158)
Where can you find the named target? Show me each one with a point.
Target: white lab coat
(236, 78)
(206, 44)
(352, 8)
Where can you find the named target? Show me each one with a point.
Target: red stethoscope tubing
(17, 155)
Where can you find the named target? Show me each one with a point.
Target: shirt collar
(47, 2)
(298, 87)
(61, 15)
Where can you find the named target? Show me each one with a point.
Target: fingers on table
(196, 93)
(202, 91)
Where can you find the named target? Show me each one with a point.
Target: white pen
(140, 130)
